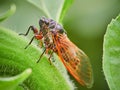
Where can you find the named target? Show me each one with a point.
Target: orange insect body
(55, 40)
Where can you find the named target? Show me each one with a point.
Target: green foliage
(10, 12)
(111, 54)
(11, 83)
(14, 58)
(64, 8)
(55, 10)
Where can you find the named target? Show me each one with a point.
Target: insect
(54, 39)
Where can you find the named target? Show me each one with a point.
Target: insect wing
(75, 60)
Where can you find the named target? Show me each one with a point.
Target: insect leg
(30, 42)
(30, 28)
(41, 55)
(50, 56)
(36, 34)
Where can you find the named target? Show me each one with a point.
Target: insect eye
(61, 31)
(46, 22)
(60, 28)
(41, 22)
(52, 24)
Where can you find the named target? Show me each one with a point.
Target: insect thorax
(48, 41)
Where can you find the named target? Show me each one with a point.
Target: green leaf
(30, 11)
(111, 54)
(64, 9)
(11, 83)
(14, 59)
(54, 9)
(8, 13)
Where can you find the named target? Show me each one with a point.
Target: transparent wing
(75, 60)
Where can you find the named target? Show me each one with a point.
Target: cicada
(54, 39)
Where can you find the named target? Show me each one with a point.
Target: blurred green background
(85, 22)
